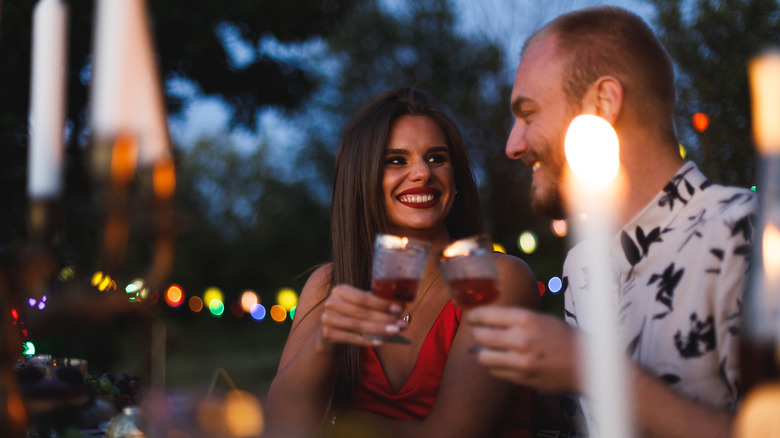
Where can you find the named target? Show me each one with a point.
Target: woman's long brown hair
(358, 211)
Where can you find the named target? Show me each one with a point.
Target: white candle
(126, 92)
(763, 297)
(591, 147)
(764, 75)
(47, 100)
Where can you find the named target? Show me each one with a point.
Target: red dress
(415, 398)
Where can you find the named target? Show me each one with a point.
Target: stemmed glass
(398, 267)
(469, 267)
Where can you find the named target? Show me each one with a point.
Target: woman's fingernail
(391, 328)
(396, 308)
(475, 349)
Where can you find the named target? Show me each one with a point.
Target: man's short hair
(611, 41)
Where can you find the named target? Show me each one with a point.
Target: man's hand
(527, 348)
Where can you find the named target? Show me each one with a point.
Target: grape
(133, 387)
(110, 377)
(105, 386)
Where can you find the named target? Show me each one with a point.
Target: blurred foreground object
(763, 300)
(131, 162)
(759, 357)
(592, 153)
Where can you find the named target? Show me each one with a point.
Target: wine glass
(469, 268)
(398, 267)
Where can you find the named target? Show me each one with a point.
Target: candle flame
(770, 244)
(591, 147)
(164, 179)
(124, 157)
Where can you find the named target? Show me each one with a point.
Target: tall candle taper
(592, 147)
(763, 297)
(47, 100)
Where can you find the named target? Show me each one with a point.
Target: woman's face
(418, 181)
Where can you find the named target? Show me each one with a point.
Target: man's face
(542, 115)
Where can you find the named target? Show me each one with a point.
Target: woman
(401, 169)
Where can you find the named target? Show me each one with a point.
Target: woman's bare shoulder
(517, 281)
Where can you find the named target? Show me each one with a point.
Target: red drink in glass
(395, 289)
(472, 292)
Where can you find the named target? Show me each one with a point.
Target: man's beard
(548, 205)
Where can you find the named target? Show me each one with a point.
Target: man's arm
(543, 352)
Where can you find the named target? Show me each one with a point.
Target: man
(680, 256)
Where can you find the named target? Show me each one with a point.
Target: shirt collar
(664, 208)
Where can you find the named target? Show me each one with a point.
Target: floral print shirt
(680, 266)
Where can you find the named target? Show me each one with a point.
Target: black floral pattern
(681, 265)
(669, 280)
(699, 340)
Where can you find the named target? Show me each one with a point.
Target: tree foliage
(419, 45)
(190, 38)
(711, 42)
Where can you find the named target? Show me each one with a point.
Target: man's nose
(515, 144)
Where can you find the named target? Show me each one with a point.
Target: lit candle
(126, 92)
(764, 74)
(47, 100)
(763, 297)
(591, 147)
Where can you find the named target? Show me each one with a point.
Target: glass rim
(477, 244)
(392, 241)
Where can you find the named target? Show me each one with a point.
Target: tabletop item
(469, 267)
(398, 267)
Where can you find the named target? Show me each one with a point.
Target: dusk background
(257, 95)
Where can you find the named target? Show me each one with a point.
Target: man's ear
(604, 98)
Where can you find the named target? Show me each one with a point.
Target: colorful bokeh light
(559, 227)
(67, 273)
(700, 122)
(541, 287)
(196, 304)
(236, 309)
(278, 313)
(243, 414)
(257, 312)
(248, 299)
(497, 247)
(29, 348)
(287, 298)
(555, 284)
(292, 312)
(216, 307)
(213, 293)
(527, 242)
(174, 296)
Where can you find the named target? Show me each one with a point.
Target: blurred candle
(764, 76)
(47, 99)
(763, 296)
(592, 147)
(126, 91)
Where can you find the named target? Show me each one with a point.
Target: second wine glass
(469, 266)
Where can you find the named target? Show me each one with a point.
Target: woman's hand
(353, 316)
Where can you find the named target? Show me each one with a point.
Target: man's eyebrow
(517, 103)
